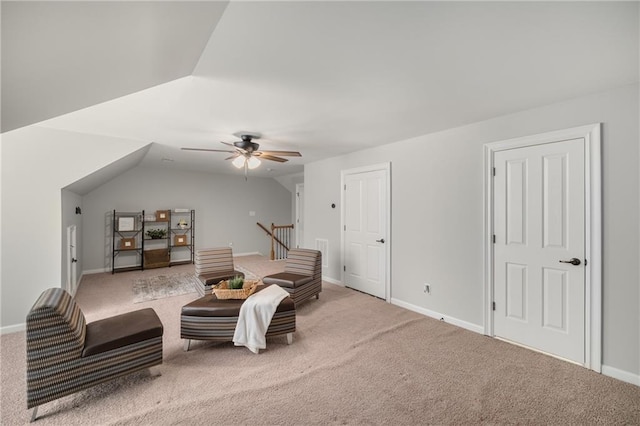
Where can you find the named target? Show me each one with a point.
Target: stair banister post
(272, 252)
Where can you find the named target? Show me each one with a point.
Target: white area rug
(161, 286)
(247, 273)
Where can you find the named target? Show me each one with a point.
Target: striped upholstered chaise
(302, 276)
(214, 265)
(210, 318)
(66, 355)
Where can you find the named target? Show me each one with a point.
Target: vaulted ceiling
(323, 78)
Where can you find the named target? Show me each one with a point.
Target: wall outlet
(427, 288)
(252, 213)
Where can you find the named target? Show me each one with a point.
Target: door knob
(74, 260)
(573, 261)
(381, 240)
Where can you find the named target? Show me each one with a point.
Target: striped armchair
(302, 276)
(214, 265)
(66, 355)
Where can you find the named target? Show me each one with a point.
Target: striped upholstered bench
(210, 318)
(66, 355)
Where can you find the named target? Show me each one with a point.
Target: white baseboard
(13, 328)
(108, 269)
(621, 375)
(251, 253)
(332, 281)
(96, 271)
(451, 320)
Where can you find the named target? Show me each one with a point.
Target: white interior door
(539, 225)
(72, 260)
(365, 231)
(299, 215)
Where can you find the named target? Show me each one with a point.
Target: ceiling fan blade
(237, 148)
(283, 153)
(208, 150)
(236, 155)
(272, 158)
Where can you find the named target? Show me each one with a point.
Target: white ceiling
(59, 57)
(323, 78)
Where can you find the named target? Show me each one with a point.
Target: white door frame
(385, 167)
(593, 230)
(72, 271)
(299, 218)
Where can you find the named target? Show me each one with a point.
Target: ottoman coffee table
(210, 318)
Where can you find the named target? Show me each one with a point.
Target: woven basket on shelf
(222, 290)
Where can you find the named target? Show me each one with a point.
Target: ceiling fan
(246, 154)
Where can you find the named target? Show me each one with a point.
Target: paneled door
(365, 231)
(539, 250)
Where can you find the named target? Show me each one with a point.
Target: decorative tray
(222, 290)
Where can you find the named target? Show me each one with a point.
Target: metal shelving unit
(127, 240)
(130, 239)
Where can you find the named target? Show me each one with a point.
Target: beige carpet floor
(354, 360)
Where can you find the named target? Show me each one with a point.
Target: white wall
(36, 164)
(222, 203)
(437, 209)
(290, 182)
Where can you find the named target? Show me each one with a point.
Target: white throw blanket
(255, 316)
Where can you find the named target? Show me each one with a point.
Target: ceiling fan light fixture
(253, 162)
(246, 154)
(238, 161)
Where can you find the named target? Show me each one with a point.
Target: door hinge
(345, 227)
(345, 186)
(494, 238)
(493, 305)
(344, 268)
(494, 171)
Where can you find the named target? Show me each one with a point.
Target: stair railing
(280, 240)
